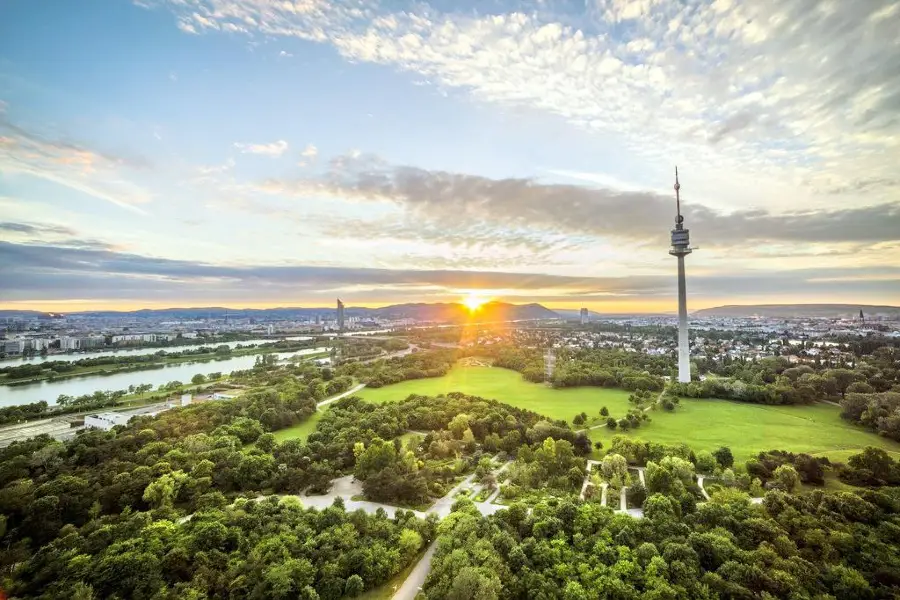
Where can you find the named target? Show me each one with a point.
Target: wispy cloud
(92, 172)
(456, 199)
(273, 149)
(35, 272)
(674, 79)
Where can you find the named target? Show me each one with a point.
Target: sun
(473, 302)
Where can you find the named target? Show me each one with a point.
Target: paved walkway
(702, 489)
(603, 489)
(349, 392)
(416, 578)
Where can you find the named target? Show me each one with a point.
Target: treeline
(842, 545)
(584, 367)
(60, 367)
(775, 380)
(878, 412)
(772, 384)
(417, 365)
(22, 412)
(255, 550)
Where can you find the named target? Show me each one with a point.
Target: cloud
(273, 149)
(44, 272)
(310, 152)
(35, 229)
(87, 170)
(673, 79)
(49, 233)
(455, 200)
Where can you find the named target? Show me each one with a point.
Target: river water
(14, 362)
(88, 384)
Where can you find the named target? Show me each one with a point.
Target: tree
(409, 544)
(354, 586)
(614, 465)
(161, 493)
(611, 423)
(604, 412)
(786, 478)
(458, 425)
(578, 420)
(724, 457)
(198, 379)
(705, 462)
(473, 583)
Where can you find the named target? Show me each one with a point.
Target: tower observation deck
(681, 247)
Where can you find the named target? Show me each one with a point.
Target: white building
(14, 346)
(218, 396)
(270, 329)
(186, 399)
(69, 343)
(106, 421)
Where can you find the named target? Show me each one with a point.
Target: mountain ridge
(798, 310)
(440, 311)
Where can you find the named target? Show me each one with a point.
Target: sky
(251, 153)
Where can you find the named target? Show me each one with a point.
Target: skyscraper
(340, 315)
(681, 247)
(584, 316)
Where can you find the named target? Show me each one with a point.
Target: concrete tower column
(684, 351)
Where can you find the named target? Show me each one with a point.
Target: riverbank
(144, 363)
(164, 377)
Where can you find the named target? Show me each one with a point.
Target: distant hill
(490, 311)
(440, 312)
(821, 311)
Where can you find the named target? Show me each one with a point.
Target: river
(14, 362)
(88, 384)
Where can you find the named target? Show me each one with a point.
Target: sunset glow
(473, 302)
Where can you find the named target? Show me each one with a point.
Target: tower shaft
(684, 351)
(681, 247)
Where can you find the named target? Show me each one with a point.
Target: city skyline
(244, 154)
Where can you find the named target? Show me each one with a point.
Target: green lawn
(749, 428)
(703, 424)
(300, 430)
(509, 387)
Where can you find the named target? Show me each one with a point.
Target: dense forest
(879, 412)
(776, 381)
(269, 549)
(418, 365)
(842, 546)
(603, 368)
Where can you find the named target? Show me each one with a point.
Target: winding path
(700, 485)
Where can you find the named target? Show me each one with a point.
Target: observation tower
(681, 247)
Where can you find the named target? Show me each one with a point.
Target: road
(416, 578)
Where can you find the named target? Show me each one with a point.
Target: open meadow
(703, 424)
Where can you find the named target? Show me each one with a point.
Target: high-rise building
(681, 247)
(584, 316)
(340, 315)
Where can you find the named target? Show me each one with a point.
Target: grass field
(509, 387)
(749, 428)
(703, 424)
(300, 430)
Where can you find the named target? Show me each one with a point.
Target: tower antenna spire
(678, 218)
